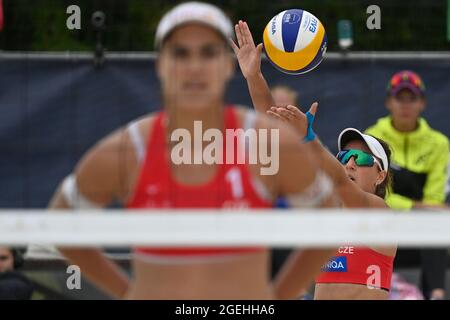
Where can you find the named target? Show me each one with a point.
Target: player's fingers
(248, 34)
(241, 28)
(286, 113)
(275, 115)
(233, 46)
(259, 49)
(237, 29)
(313, 108)
(296, 111)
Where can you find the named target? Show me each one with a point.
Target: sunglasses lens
(343, 157)
(364, 159)
(361, 158)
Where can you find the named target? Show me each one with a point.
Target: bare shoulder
(376, 202)
(145, 124)
(241, 108)
(104, 172)
(242, 112)
(353, 196)
(280, 154)
(263, 121)
(115, 142)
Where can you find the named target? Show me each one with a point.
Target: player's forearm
(329, 164)
(300, 271)
(260, 92)
(347, 191)
(101, 271)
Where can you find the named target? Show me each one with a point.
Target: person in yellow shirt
(419, 165)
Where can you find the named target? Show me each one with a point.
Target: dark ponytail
(382, 188)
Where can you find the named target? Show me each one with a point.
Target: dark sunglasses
(361, 158)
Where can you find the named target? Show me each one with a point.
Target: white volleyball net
(272, 228)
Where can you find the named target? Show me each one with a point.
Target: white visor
(199, 12)
(374, 146)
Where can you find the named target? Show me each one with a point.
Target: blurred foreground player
(135, 166)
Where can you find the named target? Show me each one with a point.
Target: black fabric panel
(408, 183)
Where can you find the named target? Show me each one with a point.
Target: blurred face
(405, 107)
(367, 178)
(194, 66)
(283, 97)
(6, 260)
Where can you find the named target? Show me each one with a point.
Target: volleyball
(295, 41)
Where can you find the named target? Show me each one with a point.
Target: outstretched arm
(350, 194)
(249, 58)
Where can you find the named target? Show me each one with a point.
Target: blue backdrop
(53, 111)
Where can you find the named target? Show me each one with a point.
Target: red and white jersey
(358, 265)
(231, 187)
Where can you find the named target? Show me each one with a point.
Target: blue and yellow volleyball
(295, 41)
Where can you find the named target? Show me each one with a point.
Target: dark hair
(382, 188)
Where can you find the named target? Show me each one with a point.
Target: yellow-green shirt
(418, 163)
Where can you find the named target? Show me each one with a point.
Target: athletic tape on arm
(72, 195)
(310, 134)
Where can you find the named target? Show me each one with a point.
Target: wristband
(310, 134)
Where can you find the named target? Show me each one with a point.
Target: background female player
(361, 178)
(133, 165)
(360, 175)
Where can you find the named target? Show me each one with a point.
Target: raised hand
(248, 55)
(294, 116)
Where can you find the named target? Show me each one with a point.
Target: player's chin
(197, 101)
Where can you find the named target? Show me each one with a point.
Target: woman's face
(283, 97)
(405, 107)
(367, 178)
(6, 260)
(194, 66)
